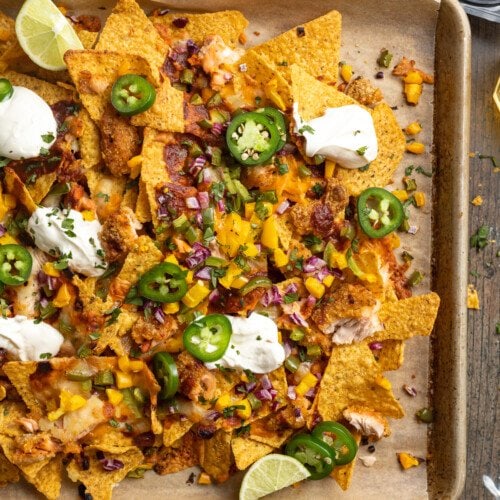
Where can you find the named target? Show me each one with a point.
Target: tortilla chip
(120, 327)
(98, 482)
(408, 317)
(47, 91)
(259, 70)
(7, 32)
(317, 50)
(174, 429)
(106, 191)
(246, 451)
(94, 72)
(111, 441)
(267, 431)
(343, 473)
(90, 147)
(353, 377)
(391, 147)
(48, 479)
(19, 373)
(16, 187)
(9, 473)
(88, 38)
(130, 197)
(142, 209)
(228, 24)
(40, 189)
(216, 456)
(166, 114)
(29, 470)
(128, 30)
(175, 458)
(10, 412)
(391, 356)
(285, 229)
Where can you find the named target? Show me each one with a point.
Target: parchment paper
(404, 27)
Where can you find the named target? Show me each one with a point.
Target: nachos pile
(183, 282)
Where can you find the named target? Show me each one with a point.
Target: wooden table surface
(483, 348)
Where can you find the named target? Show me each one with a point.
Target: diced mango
(477, 201)
(123, 380)
(400, 194)
(413, 91)
(329, 169)
(413, 128)
(407, 461)
(315, 287)
(7, 239)
(67, 402)
(346, 72)
(224, 401)
(115, 397)
(171, 308)
(251, 250)
(328, 280)
(63, 296)
(269, 237)
(239, 282)
(189, 277)
(49, 269)
(195, 294)
(419, 198)
(307, 383)
(124, 363)
(231, 273)
(246, 412)
(417, 148)
(280, 258)
(413, 77)
(249, 209)
(204, 479)
(394, 240)
(172, 259)
(136, 365)
(338, 260)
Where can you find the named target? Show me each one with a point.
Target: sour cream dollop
(64, 232)
(254, 345)
(345, 135)
(28, 125)
(26, 340)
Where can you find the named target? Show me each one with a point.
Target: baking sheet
(405, 27)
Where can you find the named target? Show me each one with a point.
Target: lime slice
(271, 473)
(45, 34)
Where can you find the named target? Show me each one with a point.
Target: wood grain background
(483, 351)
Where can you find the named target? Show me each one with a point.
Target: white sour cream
(345, 135)
(27, 125)
(26, 340)
(254, 345)
(64, 232)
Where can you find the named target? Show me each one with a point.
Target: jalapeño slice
(379, 212)
(315, 454)
(15, 264)
(252, 138)
(339, 439)
(207, 338)
(164, 283)
(132, 94)
(278, 118)
(6, 89)
(165, 371)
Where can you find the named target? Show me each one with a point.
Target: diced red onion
(250, 386)
(204, 199)
(203, 273)
(159, 315)
(111, 464)
(162, 198)
(3, 230)
(291, 393)
(375, 346)
(193, 202)
(208, 175)
(291, 288)
(199, 220)
(197, 256)
(413, 230)
(44, 302)
(313, 264)
(298, 319)
(274, 405)
(217, 128)
(266, 383)
(273, 393)
(221, 206)
(52, 282)
(263, 395)
(162, 12)
(337, 272)
(288, 149)
(297, 413)
(162, 212)
(283, 207)
(271, 297)
(192, 47)
(318, 375)
(196, 165)
(322, 274)
(311, 301)
(287, 348)
(42, 278)
(214, 296)
(213, 415)
(310, 393)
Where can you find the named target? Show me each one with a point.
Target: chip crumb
(472, 297)
(477, 201)
(204, 478)
(368, 460)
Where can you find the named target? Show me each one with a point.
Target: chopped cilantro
(217, 190)
(113, 315)
(306, 128)
(104, 196)
(290, 297)
(361, 151)
(244, 429)
(481, 238)
(45, 355)
(318, 190)
(420, 170)
(48, 138)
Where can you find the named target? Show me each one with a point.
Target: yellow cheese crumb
(477, 201)
(413, 128)
(472, 297)
(407, 461)
(204, 479)
(400, 194)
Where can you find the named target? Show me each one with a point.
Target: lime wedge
(45, 34)
(269, 474)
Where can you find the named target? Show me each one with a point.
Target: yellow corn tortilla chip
(88, 38)
(408, 317)
(119, 328)
(317, 50)
(343, 473)
(142, 209)
(260, 72)
(128, 30)
(48, 479)
(111, 441)
(216, 456)
(98, 482)
(351, 378)
(130, 197)
(47, 91)
(174, 429)
(246, 451)
(182, 455)
(19, 373)
(29, 470)
(7, 32)
(16, 187)
(9, 473)
(10, 412)
(93, 72)
(391, 356)
(267, 431)
(39, 190)
(90, 147)
(167, 112)
(228, 24)
(391, 147)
